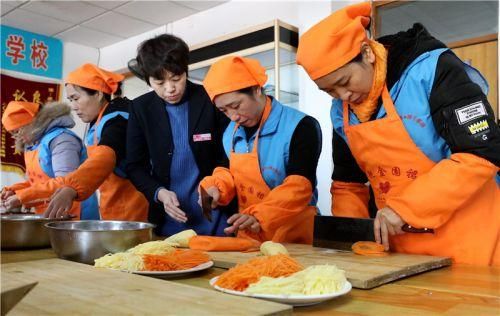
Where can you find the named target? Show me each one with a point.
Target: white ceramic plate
(295, 300)
(176, 273)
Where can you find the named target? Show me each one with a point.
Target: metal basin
(24, 231)
(84, 241)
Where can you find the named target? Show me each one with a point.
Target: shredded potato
(159, 247)
(315, 280)
(125, 261)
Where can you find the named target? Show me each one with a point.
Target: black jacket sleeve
(305, 149)
(461, 112)
(114, 135)
(222, 121)
(345, 167)
(138, 160)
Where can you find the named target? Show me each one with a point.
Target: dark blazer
(150, 146)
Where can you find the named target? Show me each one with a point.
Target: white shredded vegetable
(125, 261)
(315, 280)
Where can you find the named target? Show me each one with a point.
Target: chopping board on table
(363, 272)
(70, 288)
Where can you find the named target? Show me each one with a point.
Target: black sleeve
(114, 135)
(221, 124)
(138, 165)
(461, 113)
(345, 167)
(305, 149)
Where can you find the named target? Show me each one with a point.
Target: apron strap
(96, 124)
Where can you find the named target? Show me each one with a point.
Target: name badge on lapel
(202, 137)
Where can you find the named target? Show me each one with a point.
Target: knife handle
(410, 229)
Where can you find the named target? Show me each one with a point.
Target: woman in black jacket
(173, 139)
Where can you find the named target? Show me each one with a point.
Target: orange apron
(119, 199)
(387, 154)
(252, 189)
(36, 174)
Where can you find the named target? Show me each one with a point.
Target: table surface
(455, 290)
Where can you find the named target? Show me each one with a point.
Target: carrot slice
(369, 248)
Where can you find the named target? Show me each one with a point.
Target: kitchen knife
(11, 297)
(341, 232)
(206, 204)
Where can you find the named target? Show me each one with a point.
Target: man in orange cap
(50, 150)
(414, 121)
(90, 90)
(273, 153)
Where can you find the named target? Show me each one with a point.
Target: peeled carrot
(178, 260)
(369, 248)
(241, 276)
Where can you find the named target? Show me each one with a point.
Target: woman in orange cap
(273, 153)
(414, 121)
(50, 148)
(90, 89)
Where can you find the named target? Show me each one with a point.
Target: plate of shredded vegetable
(282, 279)
(156, 259)
(291, 299)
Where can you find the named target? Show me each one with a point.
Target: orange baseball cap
(334, 41)
(18, 114)
(92, 77)
(233, 73)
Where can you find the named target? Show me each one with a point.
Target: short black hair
(163, 52)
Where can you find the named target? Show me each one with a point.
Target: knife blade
(206, 204)
(341, 232)
(10, 298)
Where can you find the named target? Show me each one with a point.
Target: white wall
(232, 17)
(115, 57)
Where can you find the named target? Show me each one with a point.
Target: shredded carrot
(241, 276)
(178, 260)
(369, 248)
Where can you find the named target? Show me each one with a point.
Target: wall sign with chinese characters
(31, 53)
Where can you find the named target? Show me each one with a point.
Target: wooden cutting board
(70, 288)
(363, 272)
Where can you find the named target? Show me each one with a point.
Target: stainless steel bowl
(24, 231)
(84, 241)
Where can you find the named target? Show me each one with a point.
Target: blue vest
(274, 143)
(410, 95)
(89, 207)
(89, 139)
